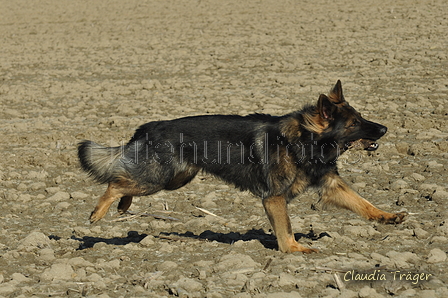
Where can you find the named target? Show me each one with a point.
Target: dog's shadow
(89, 241)
(267, 240)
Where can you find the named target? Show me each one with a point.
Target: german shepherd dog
(274, 157)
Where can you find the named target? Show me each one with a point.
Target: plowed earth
(74, 70)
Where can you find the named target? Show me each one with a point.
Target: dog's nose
(383, 129)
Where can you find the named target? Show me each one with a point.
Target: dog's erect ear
(336, 95)
(326, 107)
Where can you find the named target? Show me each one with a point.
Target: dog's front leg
(276, 210)
(336, 192)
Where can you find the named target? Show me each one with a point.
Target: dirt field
(74, 70)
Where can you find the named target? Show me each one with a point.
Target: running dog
(274, 157)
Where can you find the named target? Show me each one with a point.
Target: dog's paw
(392, 218)
(294, 246)
(94, 217)
(399, 217)
(309, 250)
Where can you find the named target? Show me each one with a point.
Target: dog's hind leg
(113, 192)
(181, 178)
(123, 189)
(336, 192)
(276, 210)
(124, 204)
(176, 182)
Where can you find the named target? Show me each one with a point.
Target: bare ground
(73, 70)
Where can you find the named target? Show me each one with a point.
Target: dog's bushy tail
(102, 163)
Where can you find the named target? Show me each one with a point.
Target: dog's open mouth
(363, 144)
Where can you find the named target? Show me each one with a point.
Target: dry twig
(209, 213)
(144, 214)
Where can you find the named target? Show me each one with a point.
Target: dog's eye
(355, 123)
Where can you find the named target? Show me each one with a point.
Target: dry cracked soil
(74, 70)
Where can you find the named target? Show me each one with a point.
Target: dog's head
(344, 124)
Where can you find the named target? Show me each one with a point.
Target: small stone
(77, 195)
(101, 285)
(235, 261)
(346, 293)
(286, 280)
(440, 196)
(94, 277)
(46, 254)
(80, 274)
(167, 266)
(420, 233)
(59, 196)
(209, 204)
(359, 186)
(439, 239)
(114, 264)
(24, 198)
(214, 295)
(418, 177)
(367, 292)
(427, 294)
(378, 257)
(7, 288)
(442, 291)
(434, 164)
(58, 179)
(432, 187)
(283, 295)
(330, 292)
(81, 231)
(52, 190)
(79, 262)
(190, 285)
(19, 277)
(243, 295)
(399, 184)
(147, 241)
(436, 255)
(58, 271)
(33, 175)
(37, 185)
(361, 231)
(62, 206)
(402, 147)
(408, 293)
(34, 240)
(401, 259)
(22, 187)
